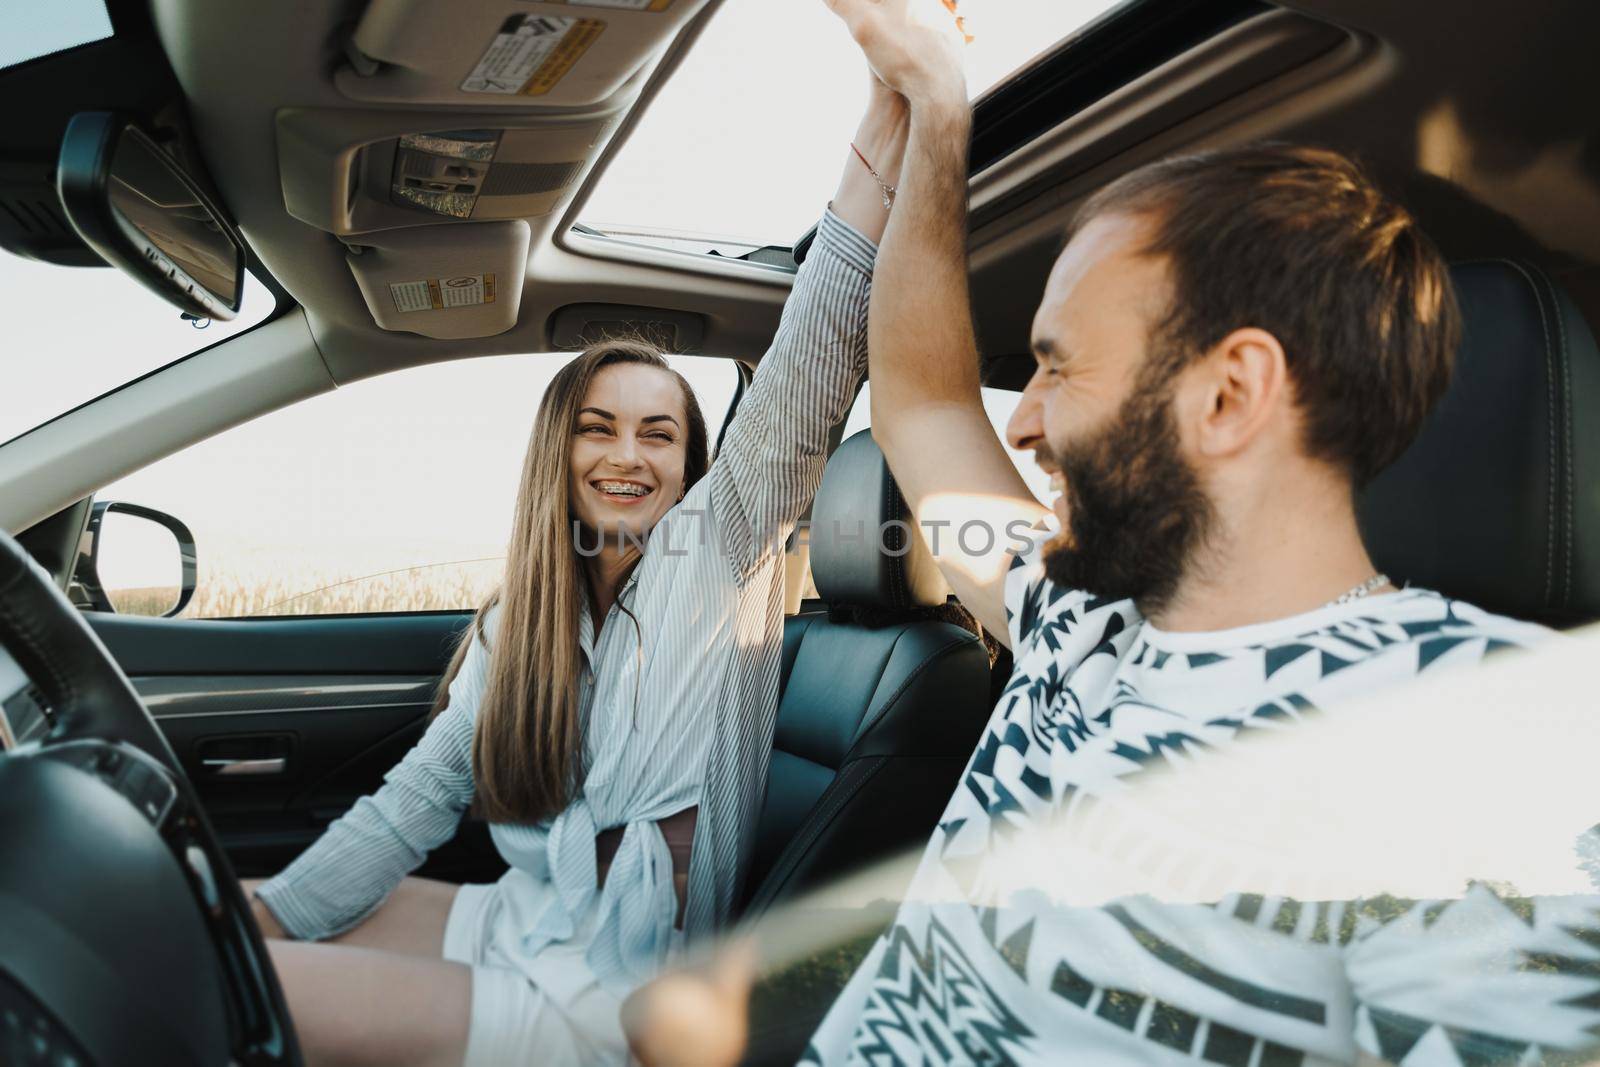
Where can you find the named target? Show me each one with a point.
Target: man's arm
(927, 408)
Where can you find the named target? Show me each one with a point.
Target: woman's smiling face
(628, 450)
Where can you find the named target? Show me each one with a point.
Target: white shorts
(548, 1009)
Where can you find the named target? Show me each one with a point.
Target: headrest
(1498, 501)
(864, 548)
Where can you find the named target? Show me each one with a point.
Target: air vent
(31, 221)
(35, 217)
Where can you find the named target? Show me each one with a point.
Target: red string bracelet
(883, 187)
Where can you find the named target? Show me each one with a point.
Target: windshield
(28, 31)
(74, 333)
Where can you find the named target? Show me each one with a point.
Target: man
(1228, 348)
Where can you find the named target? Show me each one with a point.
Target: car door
(341, 547)
(282, 723)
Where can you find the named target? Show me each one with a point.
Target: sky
(29, 29)
(747, 141)
(747, 138)
(73, 333)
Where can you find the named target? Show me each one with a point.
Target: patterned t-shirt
(978, 968)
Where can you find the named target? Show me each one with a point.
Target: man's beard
(1136, 514)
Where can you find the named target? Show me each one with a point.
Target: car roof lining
(1505, 166)
(1373, 94)
(1380, 106)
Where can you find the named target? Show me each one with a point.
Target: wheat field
(241, 594)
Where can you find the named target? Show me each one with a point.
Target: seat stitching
(1569, 499)
(886, 508)
(814, 825)
(916, 672)
(812, 829)
(897, 564)
(1550, 489)
(838, 802)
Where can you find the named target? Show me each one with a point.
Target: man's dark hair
(1301, 243)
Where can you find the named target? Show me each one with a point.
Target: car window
(998, 404)
(30, 31)
(392, 494)
(76, 333)
(652, 193)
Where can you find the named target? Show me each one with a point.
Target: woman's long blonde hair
(527, 748)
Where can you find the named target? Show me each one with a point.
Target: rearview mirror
(132, 203)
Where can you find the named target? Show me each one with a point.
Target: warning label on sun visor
(433, 294)
(531, 54)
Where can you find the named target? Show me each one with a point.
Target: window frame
(1111, 51)
(742, 374)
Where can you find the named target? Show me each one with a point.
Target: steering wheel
(126, 936)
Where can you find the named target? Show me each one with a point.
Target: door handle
(246, 756)
(232, 767)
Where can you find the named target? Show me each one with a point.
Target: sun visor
(446, 282)
(477, 53)
(351, 172)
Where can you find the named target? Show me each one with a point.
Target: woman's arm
(881, 139)
(772, 457)
(355, 865)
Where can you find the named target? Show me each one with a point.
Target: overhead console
(466, 121)
(351, 172)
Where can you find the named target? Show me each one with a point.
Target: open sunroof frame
(1107, 53)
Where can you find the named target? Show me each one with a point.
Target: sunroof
(28, 31)
(743, 146)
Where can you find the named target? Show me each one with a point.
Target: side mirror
(135, 560)
(132, 203)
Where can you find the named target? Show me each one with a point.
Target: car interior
(366, 154)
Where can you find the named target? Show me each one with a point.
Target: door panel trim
(336, 646)
(172, 697)
(420, 706)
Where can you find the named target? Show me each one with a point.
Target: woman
(613, 702)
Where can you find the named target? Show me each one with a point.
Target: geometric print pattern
(1098, 697)
(929, 991)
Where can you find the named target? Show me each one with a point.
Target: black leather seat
(1498, 501)
(881, 705)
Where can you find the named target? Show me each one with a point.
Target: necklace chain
(1377, 581)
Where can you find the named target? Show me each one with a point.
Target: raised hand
(913, 46)
(694, 1019)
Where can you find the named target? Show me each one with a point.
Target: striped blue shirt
(684, 718)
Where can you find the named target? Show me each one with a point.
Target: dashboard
(24, 716)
